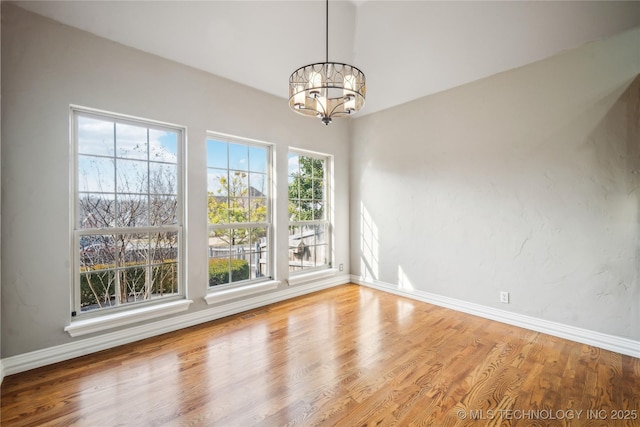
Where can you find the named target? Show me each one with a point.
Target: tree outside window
(238, 211)
(308, 217)
(128, 211)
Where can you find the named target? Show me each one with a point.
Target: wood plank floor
(347, 356)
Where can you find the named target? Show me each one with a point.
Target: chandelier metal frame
(327, 89)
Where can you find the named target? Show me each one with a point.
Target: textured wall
(46, 67)
(527, 182)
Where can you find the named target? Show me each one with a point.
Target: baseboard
(35, 359)
(1, 371)
(597, 339)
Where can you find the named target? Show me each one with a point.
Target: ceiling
(407, 49)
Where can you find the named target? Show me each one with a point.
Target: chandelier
(327, 89)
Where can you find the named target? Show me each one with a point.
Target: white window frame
(249, 286)
(122, 314)
(324, 270)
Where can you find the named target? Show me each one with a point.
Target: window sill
(96, 324)
(217, 296)
(308, 277)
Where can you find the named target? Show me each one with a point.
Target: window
(128, 211)
(309, 224)
(239, 210)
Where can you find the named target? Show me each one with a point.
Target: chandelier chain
(327, 32)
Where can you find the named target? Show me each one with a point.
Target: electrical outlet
(341, 267)
(504, 297)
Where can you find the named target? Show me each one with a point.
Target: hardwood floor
(347, 356)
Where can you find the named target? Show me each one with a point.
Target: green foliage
(219, 270)
(306, 191)
(235, 204)
(98, 286)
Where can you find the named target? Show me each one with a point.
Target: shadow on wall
(615, 144)
(633, 167)
(632, 100)
(618, 133)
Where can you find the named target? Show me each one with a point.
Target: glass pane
(294, 188)
(296, 247)
(240, 267)
(132, 211)
(97, 252)
(238, 209)
(258, 159)
(309, 235)
(164, 247)
(318, 189)
(294, 165)
(238, 157)
(218, 210)
(294, 231)
(321, 257)
(133, 284)
(163, 210)
(96, 174)
(258, 185)
(258, 210)
(97, 289)
(219, 256)
(321, 234)
(239, 240)
(219, 268)
(258, 239)
(132, 249)
(132, 176)
(95, 136)
(318, 168)
(163, 178)
(164, 279)
(163, 146)
(306, 188)
(238, 184)
(294, 208)
(131, 141)
(217, 182)
(96, 210)
(295, 263)
(305, 210)
(306, 167)
(217, 154)
(263, 264)
(219, 243)
(318, 210)
(310, 260)
(259, 265)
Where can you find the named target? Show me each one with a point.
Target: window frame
(328, 213)
(147, 305)
(246, 286)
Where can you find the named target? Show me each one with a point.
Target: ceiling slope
(407, 49)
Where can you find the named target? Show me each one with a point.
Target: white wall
(47, 66)
(527, 182)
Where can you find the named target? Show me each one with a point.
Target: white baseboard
(35, 359)
(597, 339)
(1, 371)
